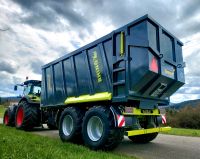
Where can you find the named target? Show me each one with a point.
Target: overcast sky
(41, 31)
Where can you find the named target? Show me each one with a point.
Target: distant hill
(9, 99)
(192, 103)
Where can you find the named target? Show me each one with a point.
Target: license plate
(146, 111)
(128, 109)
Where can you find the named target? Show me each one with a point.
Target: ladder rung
(119, 60)
(121, 82)
(119, 69)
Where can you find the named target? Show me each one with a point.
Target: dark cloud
(175, 16)
(187, 27)
(38, 15)
(36, 65)
(193, 28)
(120, 12)
(7, 67)
(42, 19)
(46, 15)
(189, 9)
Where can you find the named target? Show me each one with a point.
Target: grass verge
(16, 144)
(2, 110)
(183, 132)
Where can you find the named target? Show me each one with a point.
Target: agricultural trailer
(109, 88)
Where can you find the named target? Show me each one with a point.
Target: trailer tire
(99, 131)
(27, 116)
(145, 138)
(70, 125)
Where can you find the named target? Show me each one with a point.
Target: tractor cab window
(27, 89)
(37, 90)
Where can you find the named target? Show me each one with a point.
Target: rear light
(154, 65)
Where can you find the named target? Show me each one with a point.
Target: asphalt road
(163, 147)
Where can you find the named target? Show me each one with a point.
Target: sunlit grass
(2, 110)
(183, 132)
(16, 144)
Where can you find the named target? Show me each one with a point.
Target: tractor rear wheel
(6, 118)
(27, 116)
(145, 138)
(9, 116)
(70, 124)
(99, 131)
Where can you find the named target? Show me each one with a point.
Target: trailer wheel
(99, 131)
(27, 116)
(143, 138)
(70, 124)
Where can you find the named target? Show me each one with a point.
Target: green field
(16, 144)
(2, 109)
(183, 132)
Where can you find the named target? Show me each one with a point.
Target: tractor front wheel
(27, 116)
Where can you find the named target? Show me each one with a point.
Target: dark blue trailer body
(138, 64)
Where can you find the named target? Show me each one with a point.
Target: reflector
(154, 65)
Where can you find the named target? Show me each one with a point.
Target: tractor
(27, 113)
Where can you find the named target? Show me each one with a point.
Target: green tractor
(26, 114)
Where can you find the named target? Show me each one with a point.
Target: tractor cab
(31, 90)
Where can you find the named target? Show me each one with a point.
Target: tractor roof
(34, 82)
